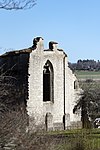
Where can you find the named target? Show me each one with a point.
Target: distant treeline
(90, 65)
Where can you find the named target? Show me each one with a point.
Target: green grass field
(79, 140)
(76, 139)
(82, 75)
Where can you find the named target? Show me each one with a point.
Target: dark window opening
(76, 84)
(48, 82)
(46, 86)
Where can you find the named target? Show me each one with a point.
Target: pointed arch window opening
(48, 82)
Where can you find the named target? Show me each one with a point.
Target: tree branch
(17, 4)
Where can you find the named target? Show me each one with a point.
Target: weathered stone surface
(64, 90)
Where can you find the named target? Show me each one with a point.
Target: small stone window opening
(76, 85)
(48, 82)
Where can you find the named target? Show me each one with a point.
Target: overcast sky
(74, 24)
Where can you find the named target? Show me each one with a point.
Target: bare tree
(16, 4)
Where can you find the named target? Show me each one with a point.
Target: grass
(95, 75)
(76, 139)
(88, 79)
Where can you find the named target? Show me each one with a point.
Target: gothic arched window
(48, 83)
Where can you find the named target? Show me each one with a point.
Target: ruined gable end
(48, 88)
